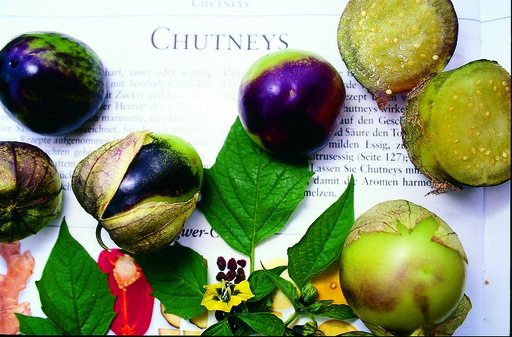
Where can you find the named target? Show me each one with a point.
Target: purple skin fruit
(50, 83)
(290, 102)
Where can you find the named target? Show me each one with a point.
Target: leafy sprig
(249, 195)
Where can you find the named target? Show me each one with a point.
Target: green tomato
(402, 268)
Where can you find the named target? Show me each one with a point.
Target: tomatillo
(50, 82)
(290, 102)
(141, 189)
(30, 190)
(403, 269)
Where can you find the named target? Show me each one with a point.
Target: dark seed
(221, 263)
(220, 276)
(230, 275)
(232, 264)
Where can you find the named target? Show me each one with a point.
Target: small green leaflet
(37, 326)
(221, 328)
(323, 240)
(177, 275)
(264, 323)
(262, 284)
(336, 311)
(74, 293)
(285, 286)
(248, 195)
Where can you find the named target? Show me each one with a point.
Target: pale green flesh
(395, 44)
(471, 119)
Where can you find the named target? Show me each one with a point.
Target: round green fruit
(403, 269)
(392, 45)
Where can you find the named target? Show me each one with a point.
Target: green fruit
(390, 46)
(141, 189)
(30, 190)
(402, 268)
(456, 126)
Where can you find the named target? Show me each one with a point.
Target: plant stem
(291, 318)
(251, 259)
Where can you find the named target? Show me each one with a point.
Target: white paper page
(175, 67)
(495, 17)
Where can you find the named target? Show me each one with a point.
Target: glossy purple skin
(293, 109)
(50, 83)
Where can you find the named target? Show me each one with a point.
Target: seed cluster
(402, 45)
(235, 269)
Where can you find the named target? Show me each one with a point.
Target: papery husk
(30, 190)
(97, 177)
(388, 215)
(150, 226)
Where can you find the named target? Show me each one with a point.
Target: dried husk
(97, 177)
(30, 191)
(150, 226)
(387, 216)
(147, 227)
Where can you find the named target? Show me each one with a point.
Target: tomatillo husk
(30, 190)
(163, 196)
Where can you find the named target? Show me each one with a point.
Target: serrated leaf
(264, 323)
(36, 326)
(323, 240)
(177, 275)
(248, 195)
(74, 292)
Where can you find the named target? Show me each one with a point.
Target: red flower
(134, 303)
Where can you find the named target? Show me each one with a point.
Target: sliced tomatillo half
(456, 126)
(390, 46)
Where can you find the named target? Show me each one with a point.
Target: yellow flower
(223, 296)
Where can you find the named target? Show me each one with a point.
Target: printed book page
(175, 67)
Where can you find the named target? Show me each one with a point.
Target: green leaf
(218, 329)
(336, 311)
(264, 323)
(36, 326)
(323, 240)
(177, 275)
(248, 195)
(285, 286)
(73, 290)
(261, 284)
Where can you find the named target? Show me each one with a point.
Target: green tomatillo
(403, 271)
(30, 190)
(141, 189)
